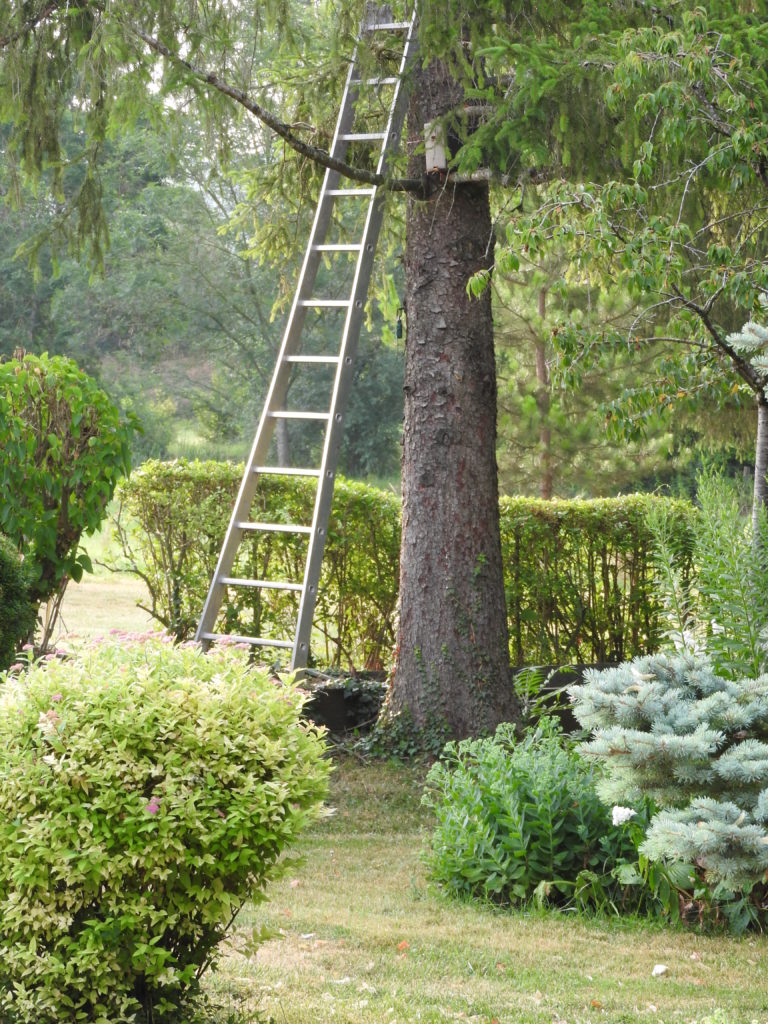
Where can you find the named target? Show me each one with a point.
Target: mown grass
(363, 938)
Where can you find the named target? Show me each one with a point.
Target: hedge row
(579, 577)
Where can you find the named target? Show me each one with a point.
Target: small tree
(63, 447)
(668, 727)
(690, 728)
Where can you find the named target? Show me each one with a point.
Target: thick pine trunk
(760, 495)
(452, 665)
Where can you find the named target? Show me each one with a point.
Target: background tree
(63, 448)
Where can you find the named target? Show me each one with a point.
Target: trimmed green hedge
(578, 573)
(579, 577)
(171, 522)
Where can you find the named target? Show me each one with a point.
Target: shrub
(689, 729)
(148, 791)
(62, 449)
(579, 574)
(17, 613)
(668, 727)
(513, 817)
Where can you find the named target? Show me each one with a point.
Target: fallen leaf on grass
(596, 1004)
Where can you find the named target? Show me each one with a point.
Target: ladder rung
(311, 359)
(338, 247)
(337, 303)
(235, 581)
(295, 414)
(363, 136)
(275, 527)
(350, 191)
(285, 471)
(256, 640)
(388, 26)
(375, 81)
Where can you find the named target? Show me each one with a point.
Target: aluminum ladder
(380, 145)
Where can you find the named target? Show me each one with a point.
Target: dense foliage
(17, 612)
(148, 791)
(63, 447)
(515, 819)
(689, 728)
(579, 574)
(669, 727)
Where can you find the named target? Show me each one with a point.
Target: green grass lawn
(365, 939)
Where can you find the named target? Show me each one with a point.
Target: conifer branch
(32, 22)
(279, 127)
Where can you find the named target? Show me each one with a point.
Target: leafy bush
(579, 574)
(63, 448)
(689, 729)
(580, 577)
(513, 817)
(17, 613)
(148, 791)
(723, 609)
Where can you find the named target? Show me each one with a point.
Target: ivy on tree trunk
(452, 660)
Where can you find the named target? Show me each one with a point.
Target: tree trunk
(542, 404)
(452, 661)
(760, 494)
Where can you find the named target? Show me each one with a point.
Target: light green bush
(147, 792)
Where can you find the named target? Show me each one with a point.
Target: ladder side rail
(333, 438)
(281, 375)
(345, 372)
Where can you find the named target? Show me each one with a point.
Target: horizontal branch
(279, 127)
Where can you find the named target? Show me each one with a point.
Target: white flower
(622, 814)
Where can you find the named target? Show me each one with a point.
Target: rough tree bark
(760, 495)
(452, 661)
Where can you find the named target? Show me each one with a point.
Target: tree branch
(32, 22)
(744, 369)
(281, 128)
